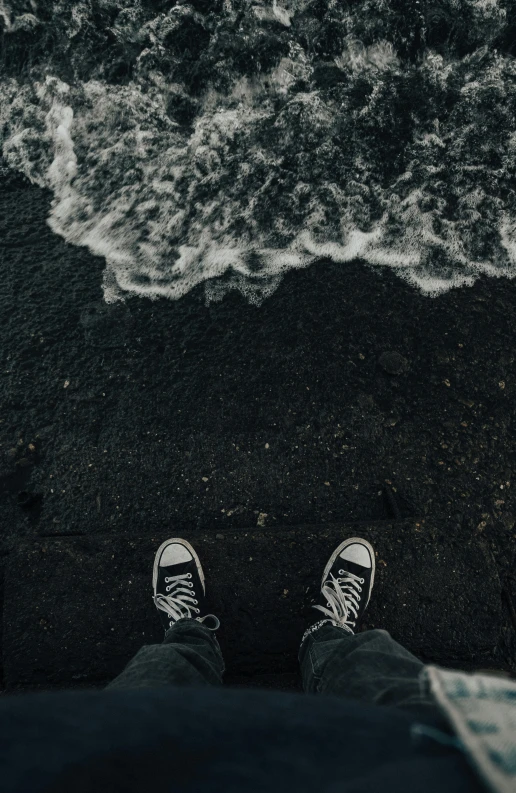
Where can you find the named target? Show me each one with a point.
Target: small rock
(235, 510)
(391, 421)
(261, 519)
(45, 432)
(393, 363)
(24, 462)
(365, 400)
(508, 520)
(219, 536)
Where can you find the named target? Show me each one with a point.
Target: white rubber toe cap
(358, 554)
(174, 554)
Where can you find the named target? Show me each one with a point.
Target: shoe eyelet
(189, 575)
(190, 584)
(341, 572)
(167, 587)
(195, 601)
(170, 624)
(362, 580)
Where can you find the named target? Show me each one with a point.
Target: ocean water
(227, 142)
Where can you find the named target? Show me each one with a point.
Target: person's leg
(189, 655)
(369, 666)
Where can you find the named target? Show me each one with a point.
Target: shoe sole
(158, 556)
(338, 550)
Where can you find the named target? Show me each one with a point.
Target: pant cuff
(200, 620)
(319, 624)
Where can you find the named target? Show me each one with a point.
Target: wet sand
(159, 418)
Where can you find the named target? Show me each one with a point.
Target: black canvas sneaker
(178, 582)
(346, 585)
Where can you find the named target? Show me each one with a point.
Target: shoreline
(148, 415)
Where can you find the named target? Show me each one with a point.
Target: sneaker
(346, 585)
(178, 582)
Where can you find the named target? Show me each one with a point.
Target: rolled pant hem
(196, 622)
(315, 627)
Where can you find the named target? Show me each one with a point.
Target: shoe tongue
(176, 569)
(352, 567)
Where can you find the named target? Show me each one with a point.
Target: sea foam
(279, 172)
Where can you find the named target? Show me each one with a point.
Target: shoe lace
(175, 604)
(343, 596)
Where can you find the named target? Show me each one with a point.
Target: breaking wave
(227, 142)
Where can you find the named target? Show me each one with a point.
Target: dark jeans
(369, 666)
(173, 723)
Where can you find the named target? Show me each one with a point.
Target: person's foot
(178, 582)
(346, 585)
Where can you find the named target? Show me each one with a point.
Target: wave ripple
(228, 142)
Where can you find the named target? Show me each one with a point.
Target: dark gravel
(151, 417)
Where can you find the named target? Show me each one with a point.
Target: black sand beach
(159, 419)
